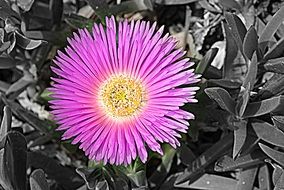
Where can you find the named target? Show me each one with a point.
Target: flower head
(119, 90)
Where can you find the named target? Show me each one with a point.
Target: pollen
(122, 96)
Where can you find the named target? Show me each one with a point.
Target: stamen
(122, 96)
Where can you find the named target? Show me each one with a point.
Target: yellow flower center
(122, 96)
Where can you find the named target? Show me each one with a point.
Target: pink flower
(119, 89)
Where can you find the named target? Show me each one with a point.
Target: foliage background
(237, 139)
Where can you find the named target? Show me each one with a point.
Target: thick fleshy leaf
(269, 133)
(56, 7)
(138, 179)
(250, 44)
(6, 11)
(6, 122)
(26, 43)
(274, 154)
(206, 158)
(210, 181)
(263, 107)
(264, 181)
(227, 163)
(275, 51)
(243, 99)
(250, 77)
(237, 29)
(240, 136)
(20, 84)
(38, 180)
(271, 28)
(206, 5)
(28, 116)
(174, 2)
(230, 4)
(4, 86)
(206, 61)
(103, 185)
(246, 178)
(279, 122)
(90, 176)
(212, 73)
(25, 4)
(7, 62)
(222, 97)
(69, 180)
(101, 8)
(13, 162)
(275, 65)
(231, 52)
(278, 177)
(131, 6)
(225, 83)
(186, 155)
(272, 87)
(161, 173)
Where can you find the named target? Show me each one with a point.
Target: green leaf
(227, 163)
(263, 107)
(27, 43)
(240, 135)
(275, 65)
(243, 99)
(230, 4)
(271, 28)
(186, 155)
(174, 2)
(250, 44)
(6, 11)
(131, 6)
(222, 97)
(138, 179)
(20, 85)
(237, 29)
(205, 159)
(269, 133)
(7, 62)
(225, 83)
(100, 7)
(264, 178)
(91, 176)
(246, 179)
(279, 122)
(13, 161)
(28, 116)
(103, 185)
(38, 180)
(231, 52)
(161, 173)
(275, 51)
(274, 154)
(210, 182)
(77, 21)
(278, 177)
(206, 5)
(4, 86)
(25, 4)
(46, 95)
(54, 170)
(272, 87)
(206, 61)
(250, 77)
(6, 122)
